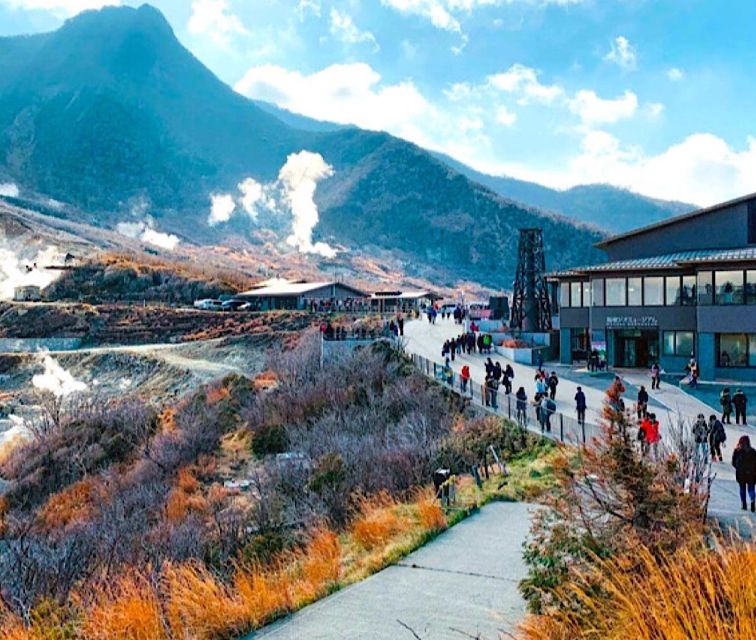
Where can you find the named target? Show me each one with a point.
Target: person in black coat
(642, 404)
(717, 437)
(744, 461)
(580, 405)
(740, 401)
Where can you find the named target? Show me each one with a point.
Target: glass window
(752, 350)
(684, 343)
(678, 343)
(751, 286)
(615, 292)
(634, 292)
(669, 343)
(576, 289)
(597, 288)
(732, 349)
(586, 294)
(729, 287)
(564, 294)
(673, 291)
(653, 291)
(705, 287)
(689, 290)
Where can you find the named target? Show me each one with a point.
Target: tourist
(489, 367)
(549, 409)
(725, 400)
(740, 402)
(497, 371)
(522, 407)
(552, 383)
(448, 373)
(539, 410)
(507, 376)
(464, 377)
(641, 405)
(580, 405)
(481, 344)
(717, 437)
(400, 324)
(643, 429)
(653, 435)
(593, 361)
(540, 386)
(453, 348)
(701, 437)
(655, 376)
(492, 384)
(510, 372)
(744, 461)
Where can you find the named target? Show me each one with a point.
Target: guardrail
(558, 426)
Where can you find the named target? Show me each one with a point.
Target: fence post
(582, 425)
(561, 427)
(509, 406)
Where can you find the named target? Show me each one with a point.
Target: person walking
(507, 379)
(653, 435)
(497, 371)
(539, 410)
(553, 382)
(522, 407)
(744, 461)
(549, 409)
(580, 405)
(400, 324)
(725, 400)
(641, 405)
(740, 402)
(717, 437)
(643, 429)
(453, 348)
(701, 437)
(655, 376)
(464, 377)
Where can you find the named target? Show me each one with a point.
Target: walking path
(463, 584)
(425, 339)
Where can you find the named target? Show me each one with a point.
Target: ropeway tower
(531, 309)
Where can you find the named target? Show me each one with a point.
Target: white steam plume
(18, 272)
(222, 208)
(300, 176)
(294, 191)
(57, 380)
(9, 189)
(146, 232)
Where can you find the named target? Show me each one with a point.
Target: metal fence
(556, 426)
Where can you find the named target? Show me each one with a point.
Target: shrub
(377, 521)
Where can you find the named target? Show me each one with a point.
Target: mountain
(591, 203)
(112, 115)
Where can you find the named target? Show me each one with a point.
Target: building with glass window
(682, 287)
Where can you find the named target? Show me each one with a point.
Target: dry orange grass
(74, 504)
(377, 521)
(430, 513)
(695, 593)
(126, 609)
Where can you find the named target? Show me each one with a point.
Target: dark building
(683, 287)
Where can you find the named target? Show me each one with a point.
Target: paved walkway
(463, 584)
(669, 402)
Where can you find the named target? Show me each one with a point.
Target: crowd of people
(471, 342)
(738, 402)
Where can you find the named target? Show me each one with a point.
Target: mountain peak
(145, 17)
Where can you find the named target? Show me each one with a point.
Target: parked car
(208, 304)
(232, 305)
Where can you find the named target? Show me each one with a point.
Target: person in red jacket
(652, 435)
(464, 376)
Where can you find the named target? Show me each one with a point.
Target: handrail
(563, 428)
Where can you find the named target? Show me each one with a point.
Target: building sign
(631, 322)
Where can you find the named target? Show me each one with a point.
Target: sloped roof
(403, 295)
(285, 288)
(675, 219)
(666, 261)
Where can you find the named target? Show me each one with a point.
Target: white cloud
(623, 54)
(9, 189)
(524, 81)
(308, 6)
(654, 109)
(343, 28)
(222, 207)
(63, 8)
(675, 74)
(214, 18)
(591, 109)
(701, 169)
(505, 116)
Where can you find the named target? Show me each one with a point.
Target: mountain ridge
(125, 120)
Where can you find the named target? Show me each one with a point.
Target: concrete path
(669, 403)
(463, 584)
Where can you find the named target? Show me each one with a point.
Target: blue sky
(657, 96)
